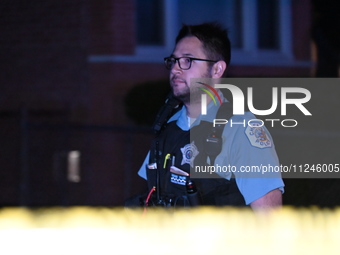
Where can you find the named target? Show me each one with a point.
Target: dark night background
(74, 78)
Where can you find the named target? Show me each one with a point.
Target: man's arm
(272, 199)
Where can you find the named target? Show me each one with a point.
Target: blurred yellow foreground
(101, 231)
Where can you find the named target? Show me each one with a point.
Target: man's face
(180, 79)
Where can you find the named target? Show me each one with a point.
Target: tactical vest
(172, 147)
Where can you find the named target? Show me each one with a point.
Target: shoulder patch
(258, 136)
(189, 152)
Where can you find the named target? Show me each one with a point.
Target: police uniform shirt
(246, 147)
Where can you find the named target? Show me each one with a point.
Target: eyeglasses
(183, 62)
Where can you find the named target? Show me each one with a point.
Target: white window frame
(248, 55)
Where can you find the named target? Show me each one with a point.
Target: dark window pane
(268, 24)
(149, 22)
(236, 33)
(226, 12)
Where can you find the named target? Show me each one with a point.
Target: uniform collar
(182, 118)
(212, 109)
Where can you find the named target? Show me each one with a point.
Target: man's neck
(194, 109)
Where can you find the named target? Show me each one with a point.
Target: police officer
(203, 51)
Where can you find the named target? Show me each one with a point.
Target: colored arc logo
(210, 94)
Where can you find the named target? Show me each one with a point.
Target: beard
(184, 92)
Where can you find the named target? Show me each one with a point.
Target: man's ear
(218, 69)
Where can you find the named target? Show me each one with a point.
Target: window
(151, 18)
(149, 22)
(226, 12)
(259, 30)
(267, 24)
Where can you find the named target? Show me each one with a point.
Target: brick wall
(44, 52)
(112, 27)
(44, 72)
(44, 49)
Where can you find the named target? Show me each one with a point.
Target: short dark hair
(214, 38)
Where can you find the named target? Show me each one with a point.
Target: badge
(258, 136)
(189, 152)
